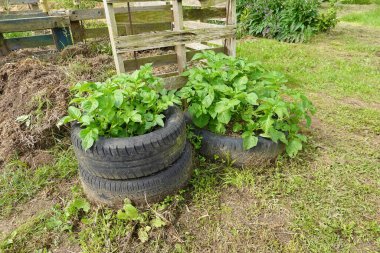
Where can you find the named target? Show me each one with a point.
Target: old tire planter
(231, 149)
(134, 157)
(149, 189)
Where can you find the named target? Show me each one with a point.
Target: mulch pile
(34, 93)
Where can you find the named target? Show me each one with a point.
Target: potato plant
(228, 95)
(125, 105)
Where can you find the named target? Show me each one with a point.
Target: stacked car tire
(143, 168)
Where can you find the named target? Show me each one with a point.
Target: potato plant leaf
(225, 92)
(123, 106)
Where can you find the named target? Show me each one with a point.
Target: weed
(194, 139)
(239, 178)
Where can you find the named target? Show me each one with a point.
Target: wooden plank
(141, 13)
(20, 2)
(198, 46)
(125, 1)
(102, 32)
(196, 13)
(160, 60)
(77, 31)
(32, 24)
(146, 17)
(76, 15)
(98, 13)
(113, 34)
(231, 19)
(61, 37)
(29, 42)
(3, 47)
(170, 38)
(145, 27)
(178, 26)
(174, 82)
(169, 74)
(22, 15)
(44, 5)
(197, 24)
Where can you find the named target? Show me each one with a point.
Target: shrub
(289, 20)
(123, 106)
(228, 95)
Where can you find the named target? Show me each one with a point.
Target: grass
(360, 2)
(17, 35)
(325, 200)
(18, 183)
(370, 18)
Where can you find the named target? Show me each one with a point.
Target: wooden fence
(132, 28)
(35, 19)
(128, 39)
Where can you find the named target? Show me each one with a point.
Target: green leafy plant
(123, 106)
(227, 95)
(144, 220)
(289, 20)
(194, 139)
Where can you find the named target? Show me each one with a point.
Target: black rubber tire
(149, 189)
(134, 157)
(231, 149)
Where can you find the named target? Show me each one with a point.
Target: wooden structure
(36, 19)
(133, 27)
(131, 32)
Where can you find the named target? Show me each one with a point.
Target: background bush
(284, 20)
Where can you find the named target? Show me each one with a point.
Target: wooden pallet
(186, 42)
(35, 19)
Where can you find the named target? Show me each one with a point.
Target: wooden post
(34, 6)
(178, 26)
(76, 26)
(77, 30)
(62, 37)
(231, 19)
(3, 47)
(44, 6)
(112, 29)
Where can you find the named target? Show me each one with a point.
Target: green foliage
(226, 94)
(106, 230)
(123, 106)
(194, 139)
(289, 20)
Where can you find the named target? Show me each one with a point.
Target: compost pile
(35, 93)
(33, 97)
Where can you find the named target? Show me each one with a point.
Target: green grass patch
(17, 35)
(334, 64)
(370, 18)
(19, 183)
(360, 1)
